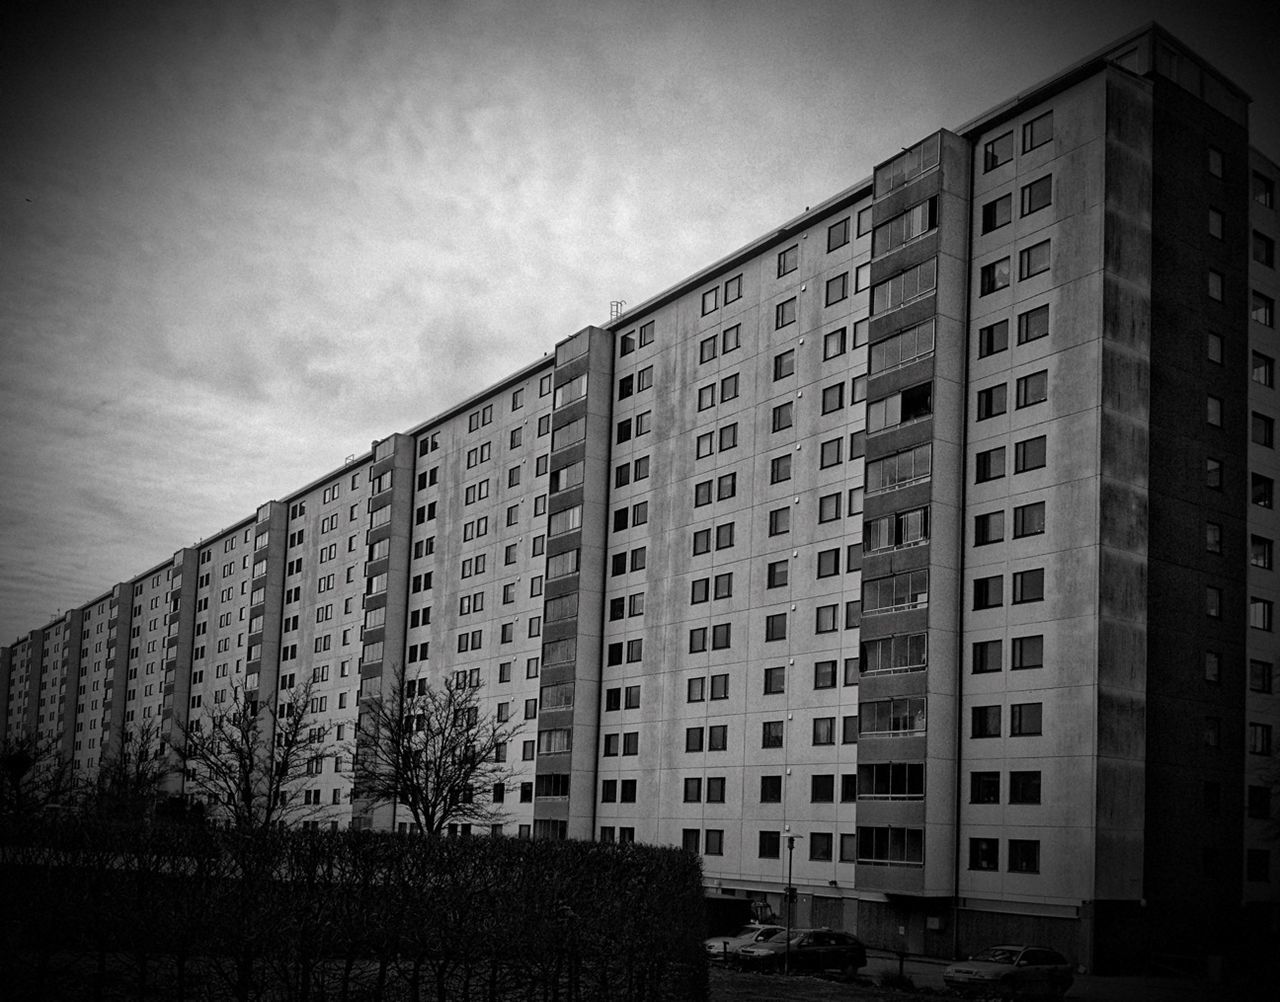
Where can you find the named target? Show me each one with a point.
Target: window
(993, 338)
(1028, 586)
(826, 619)
(837, 289)
(1213, 410)
(1260, 552)
(1260, 673)
(1028, 520)
(1260, 610)
(1263, 369)
(1028, 652)
(1037, 195)
(1037, 132)
(770, 789)
(788, 260)
(771, 734)
(1213, 347)
(770, 845)
(988, 656)
(710, 300)
(984, 853)
(993, 277)
(904, 287)
(997, 151)
(996, 213)
(775, 626)
(904, 227)
(1263, 310)
(833, 398)
(780, 469)
(732, 290)
(779, 521)
(708, 348)
(829, 453)
(988, 528)
(992, 401)
(833, 344)
(1215, 287)
(729, 437)
(1033, 389)
(1024, 719)
(1024, 787)
(1215, 224)
(1024, 855)
(729, 339)
(1213, 602)
(837, 234)
(890, 846)
(1034, 260)
(784, 364)
(829, 507)
(1213, 473)
(984, 787)
(726, 486)
(1259, 739)
(1029, 454)
(910, 404)
(784, 314)
(985, 722)
(1263, 190)
(988, 592)
(1262, 489)
(1263, 430)
(989, 465)
(775, 680)
(782, 416)
(777, 574)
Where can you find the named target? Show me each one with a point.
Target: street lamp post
(791, 897)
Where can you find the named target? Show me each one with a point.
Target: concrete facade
(917, 555)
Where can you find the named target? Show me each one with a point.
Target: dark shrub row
(95, 911)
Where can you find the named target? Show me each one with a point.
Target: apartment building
(917, 556)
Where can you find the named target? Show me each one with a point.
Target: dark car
(810, 950)
(1014, 972)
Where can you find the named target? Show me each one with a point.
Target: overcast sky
(241, 240)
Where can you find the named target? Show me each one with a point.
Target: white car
(725, 947)
(1012, 972)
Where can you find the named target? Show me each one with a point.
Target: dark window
(1037, 195)
(988, 592)
(1034, 260)
(992, 401)
(1033, 389)
(837, 234)
(770, 789)
(997, 213)
(784, 364)
(1028, 652)
(1028, 520)
(985, 722)
(984, 854)
(993, 276)
(998, 151)
(1028, 586)
(788, 260)
(1024, 855)
(988, 656)
(993, 338)
(1024, 787)
(1033, 324)
(1025, 719)
(990, 465)
(984, 787)
(988, 528)
(1029, 454)
(771, 734)
(1037, 132)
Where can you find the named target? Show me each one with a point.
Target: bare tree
(130, 778)
(34, 775)
(250, 762)
(430, 748)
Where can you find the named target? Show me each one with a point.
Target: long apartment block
(918, 555)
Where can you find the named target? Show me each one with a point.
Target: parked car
(1021, 972)
(727, 947)
(810, 950)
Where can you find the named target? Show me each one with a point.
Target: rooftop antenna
(615, 308)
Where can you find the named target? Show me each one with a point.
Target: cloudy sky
(241, 240)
